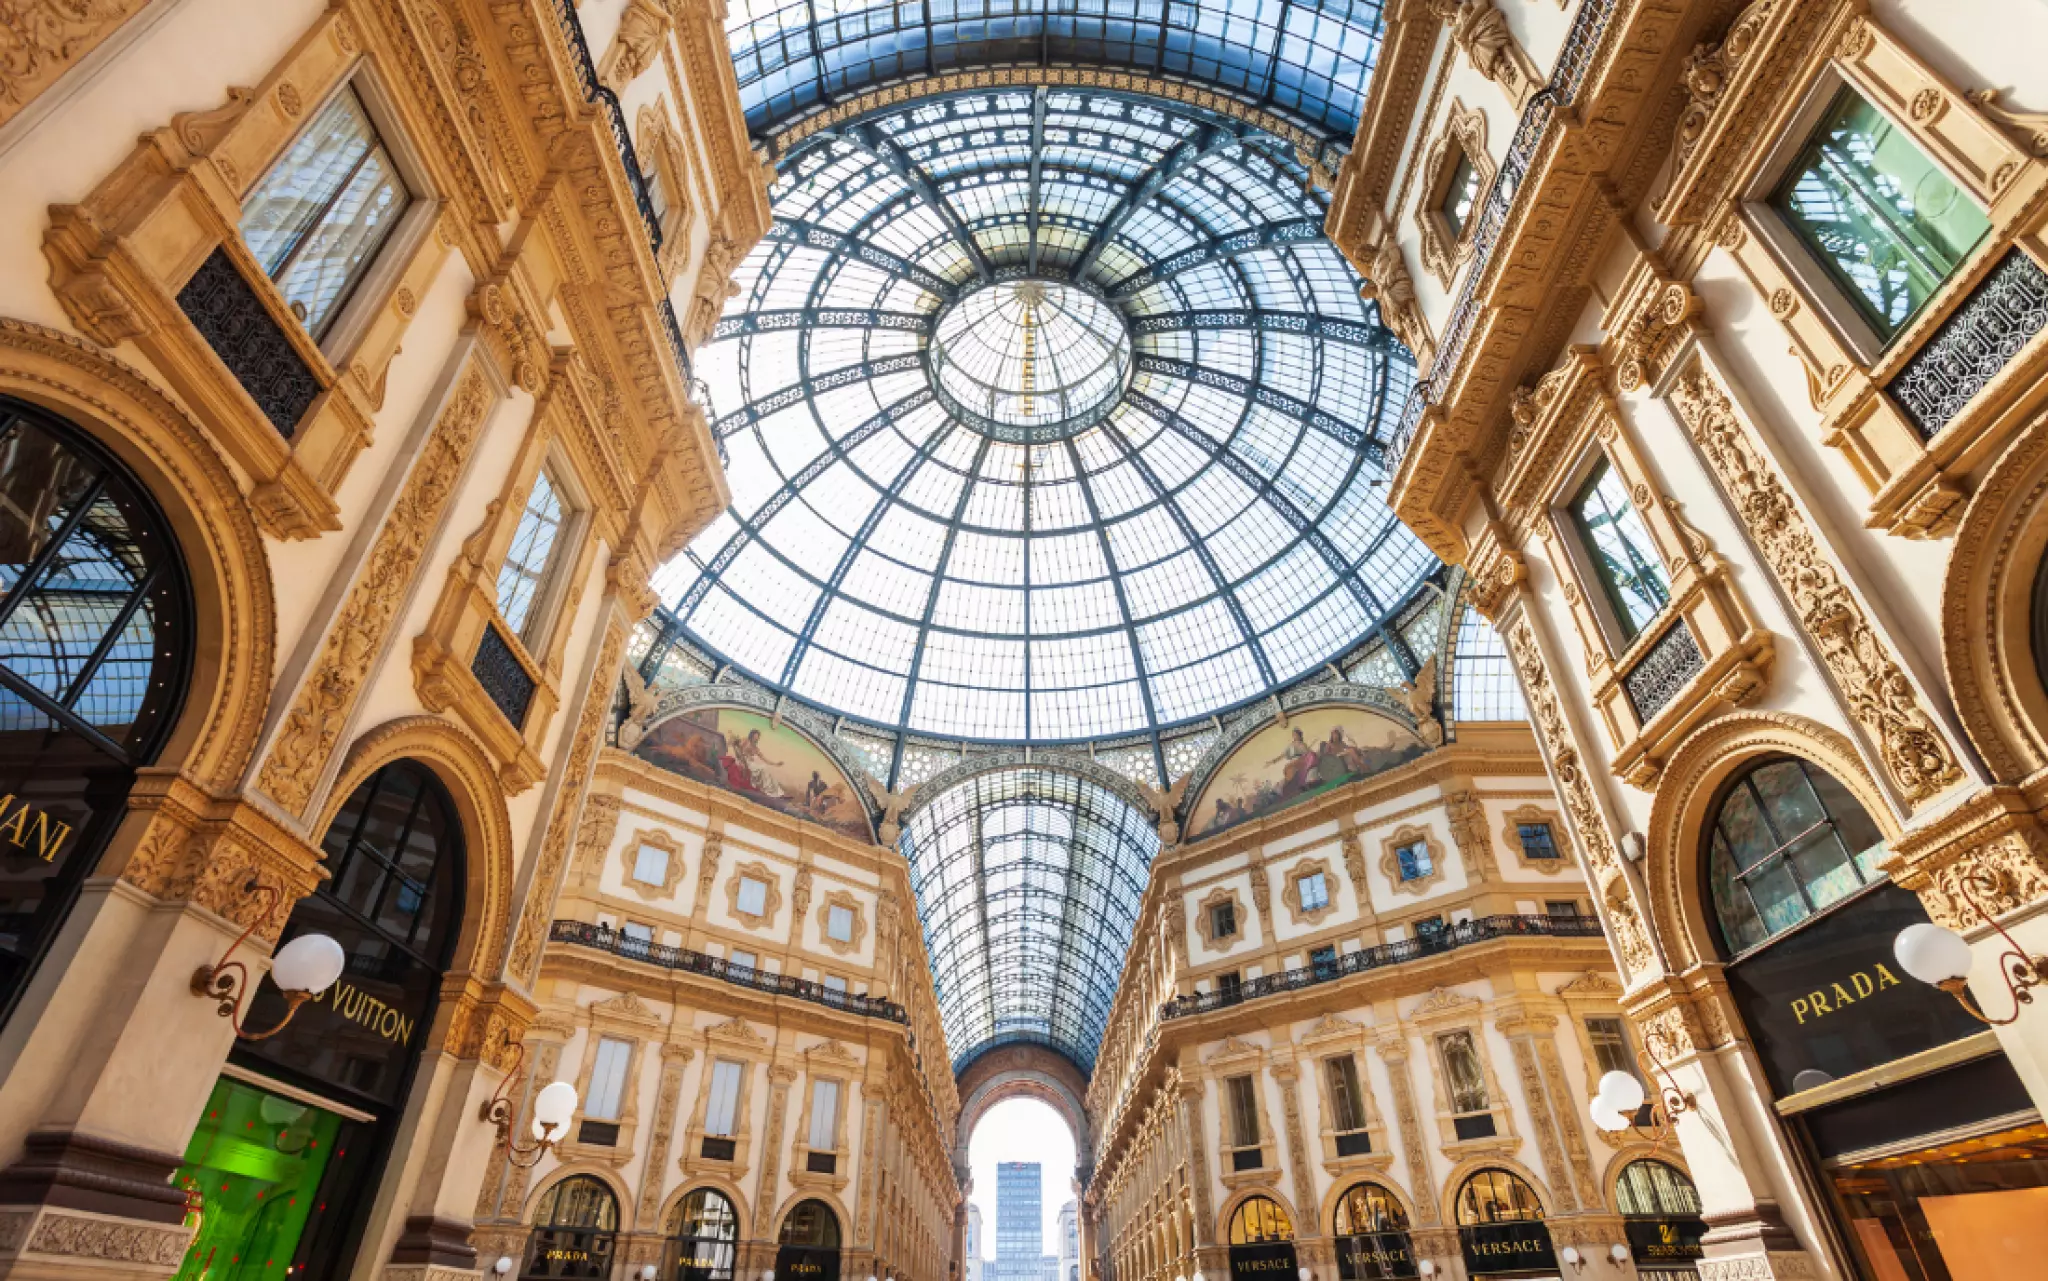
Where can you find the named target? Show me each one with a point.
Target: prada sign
(806, 1263)
(1828, 999)
(1507, 1249)
(1272, 1261)
(1375, 1256)
(1665, 1241)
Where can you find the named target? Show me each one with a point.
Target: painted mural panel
(769, 764)
(1314, 752)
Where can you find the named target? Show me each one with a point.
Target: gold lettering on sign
(358, 1006)
(46, 834)
(1860, 986)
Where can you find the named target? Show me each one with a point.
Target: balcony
(604, 939)
(1435, 943)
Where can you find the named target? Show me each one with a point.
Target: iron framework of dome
(1216, 534)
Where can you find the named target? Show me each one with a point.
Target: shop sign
(1375, 1256)
(806, 1263)
(1272, 1261)
(1507, 1249)
(1829, 999)
(704, 1261)
(1665, 1241)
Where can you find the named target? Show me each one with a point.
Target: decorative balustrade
(603, 938)
(1433, 943)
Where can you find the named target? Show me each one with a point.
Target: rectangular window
(1610, 1046)
(1537, 842)
(639, 936)
(1879, 215)
(1460, 194)
(1223, 920)
(839, 924)
(608, 1080)
(1315, 892)
(824, 1113)
(1564, 907)
(657, 190)
(721, 1114)
(1324, 961)
(1626, 562)
(1347, 1101)
(1464, 1080)
(833, 983)
(1414, 861)
(740, 960)
(650, 865)
(1229, 985)
(316, 221)
(1244, 1111)
(753, 897)
(1430, 929)
(523, 576)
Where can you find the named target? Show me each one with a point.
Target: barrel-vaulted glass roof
(1028, 882)
(1307, 59)
(1211, 529)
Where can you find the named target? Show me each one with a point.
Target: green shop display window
(253, 1173)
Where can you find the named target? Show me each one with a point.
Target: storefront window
(1372, 1235)
(1787, 841)
(1967, 1209)
(1661, 1213)
(808, 1248)
(1500, 1227)
(574, 1231)
(1260, 1219)
(703, 1232)
(1261, 1241)
(94, 637)
(253, 1170)
(1878, 213)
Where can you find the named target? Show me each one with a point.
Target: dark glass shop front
(284, 1163)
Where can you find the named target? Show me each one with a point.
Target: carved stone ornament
(1445, 247)
(1873, 688)
(1481, 30)
(305, 742)
(1388, 283)
(1390, 861)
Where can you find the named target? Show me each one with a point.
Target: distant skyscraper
(1020, 1231)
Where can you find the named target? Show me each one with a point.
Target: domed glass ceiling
(1051, 416)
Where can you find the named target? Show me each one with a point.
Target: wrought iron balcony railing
(1433, 943)
(605, 939)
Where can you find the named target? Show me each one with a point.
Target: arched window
(703, 1232)
(94, 658)
(1654, 1188)
(1786, 841)
(1496, 1196)
(1260, 1221)
(574, 1230)
(1372, 1235)
(1368, 1207)
(812, 1225)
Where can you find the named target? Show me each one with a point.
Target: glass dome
(1051, 416)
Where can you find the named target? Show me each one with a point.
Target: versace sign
(1272, 1261)
(1515, 1248)
(1375, 1256)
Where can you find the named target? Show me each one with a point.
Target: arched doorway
(1372, 1235)
(808, 1247)
(704, 1233)
(1261, 1241)
(1909, 1155)
(328, 1090)
(1500, 1227)
(95, 630)
(575, 1231)
(1660, 1211)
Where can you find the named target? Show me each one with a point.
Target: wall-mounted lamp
(647, 1273)
(1618, 1253)
(1942, 957)
(1306, 1275)
(552, 1108)
(1572, 1258)
(1427, 1267)
(1621, 1095)
(302, 970)
(503, 1265)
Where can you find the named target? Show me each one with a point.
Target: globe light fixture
(1619, 1098)
(1941, 957)
(503, 1265)
(1427, 1267)
(1618, 1253)
(1622, 1090)
(553, 1108)
(302, 969)
(1607, 1118)
(1572, 1258)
